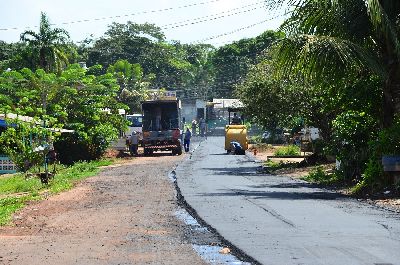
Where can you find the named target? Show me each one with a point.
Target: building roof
(223, 103)
(12, 116)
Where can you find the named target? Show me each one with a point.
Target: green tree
(16, 56)
(128, 41)
(22, 142)
(48, 45)
(198, 73)
(331, 39)
(143, 44)
(233, 61)
(273, 103)
(134, 86)
(75, 100)
(90, 106)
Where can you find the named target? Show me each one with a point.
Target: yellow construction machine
(236, 133)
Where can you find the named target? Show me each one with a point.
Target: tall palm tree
(329, 39)
(48, 43)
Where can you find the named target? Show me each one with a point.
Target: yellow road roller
(235, 133)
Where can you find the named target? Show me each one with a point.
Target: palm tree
(332, 39)
(48, 43)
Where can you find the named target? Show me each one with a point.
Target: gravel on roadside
(125, 215)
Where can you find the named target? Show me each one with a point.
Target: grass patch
(10, 205)
(17, 183)
(65, 179)
(320, 176)
(272, 166)
(290, 150)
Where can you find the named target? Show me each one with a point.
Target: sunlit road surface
(278, 220)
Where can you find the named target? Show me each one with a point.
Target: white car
(266, 135)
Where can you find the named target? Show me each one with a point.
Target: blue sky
(236, 14)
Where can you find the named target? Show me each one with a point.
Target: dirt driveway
(123, 216)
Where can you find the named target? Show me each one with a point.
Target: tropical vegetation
(337, 68)
(333, 64)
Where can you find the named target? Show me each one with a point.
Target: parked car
(266, 135)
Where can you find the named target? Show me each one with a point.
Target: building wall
(190, 109)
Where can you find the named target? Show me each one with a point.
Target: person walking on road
(194, 127)
(186, 139)
(202, 127)
(134, 142)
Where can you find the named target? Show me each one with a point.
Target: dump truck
(161, 126)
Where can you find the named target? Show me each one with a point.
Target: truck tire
(147, 152)
(179, 151)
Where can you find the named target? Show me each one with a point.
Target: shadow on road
(281, 195)
(237, 171)
(292, 185)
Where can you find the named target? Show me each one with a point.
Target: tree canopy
(341, 58)
(47, 45)
(330, 40)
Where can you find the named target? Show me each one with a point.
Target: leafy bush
(73, 100)
(81, 146)
(19, 142)
(352, 132)
(257, 139)
(290, 150)
(387, 143)
(318, 175)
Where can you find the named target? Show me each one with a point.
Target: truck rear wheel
(147, 151)
(179, 151)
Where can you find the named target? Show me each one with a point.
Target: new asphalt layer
(279, 220)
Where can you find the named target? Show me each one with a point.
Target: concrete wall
(189, 108)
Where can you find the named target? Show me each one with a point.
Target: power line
(212, 15)
(236, 30)
(214, 18)
(121, 16)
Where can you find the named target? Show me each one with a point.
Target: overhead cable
(212, 15)
(236, 30)
(121, 16)
(212, 18)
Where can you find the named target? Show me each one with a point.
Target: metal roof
(223, 103)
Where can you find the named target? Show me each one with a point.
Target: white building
(193, 109)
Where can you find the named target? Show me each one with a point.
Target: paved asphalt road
(278, 220)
